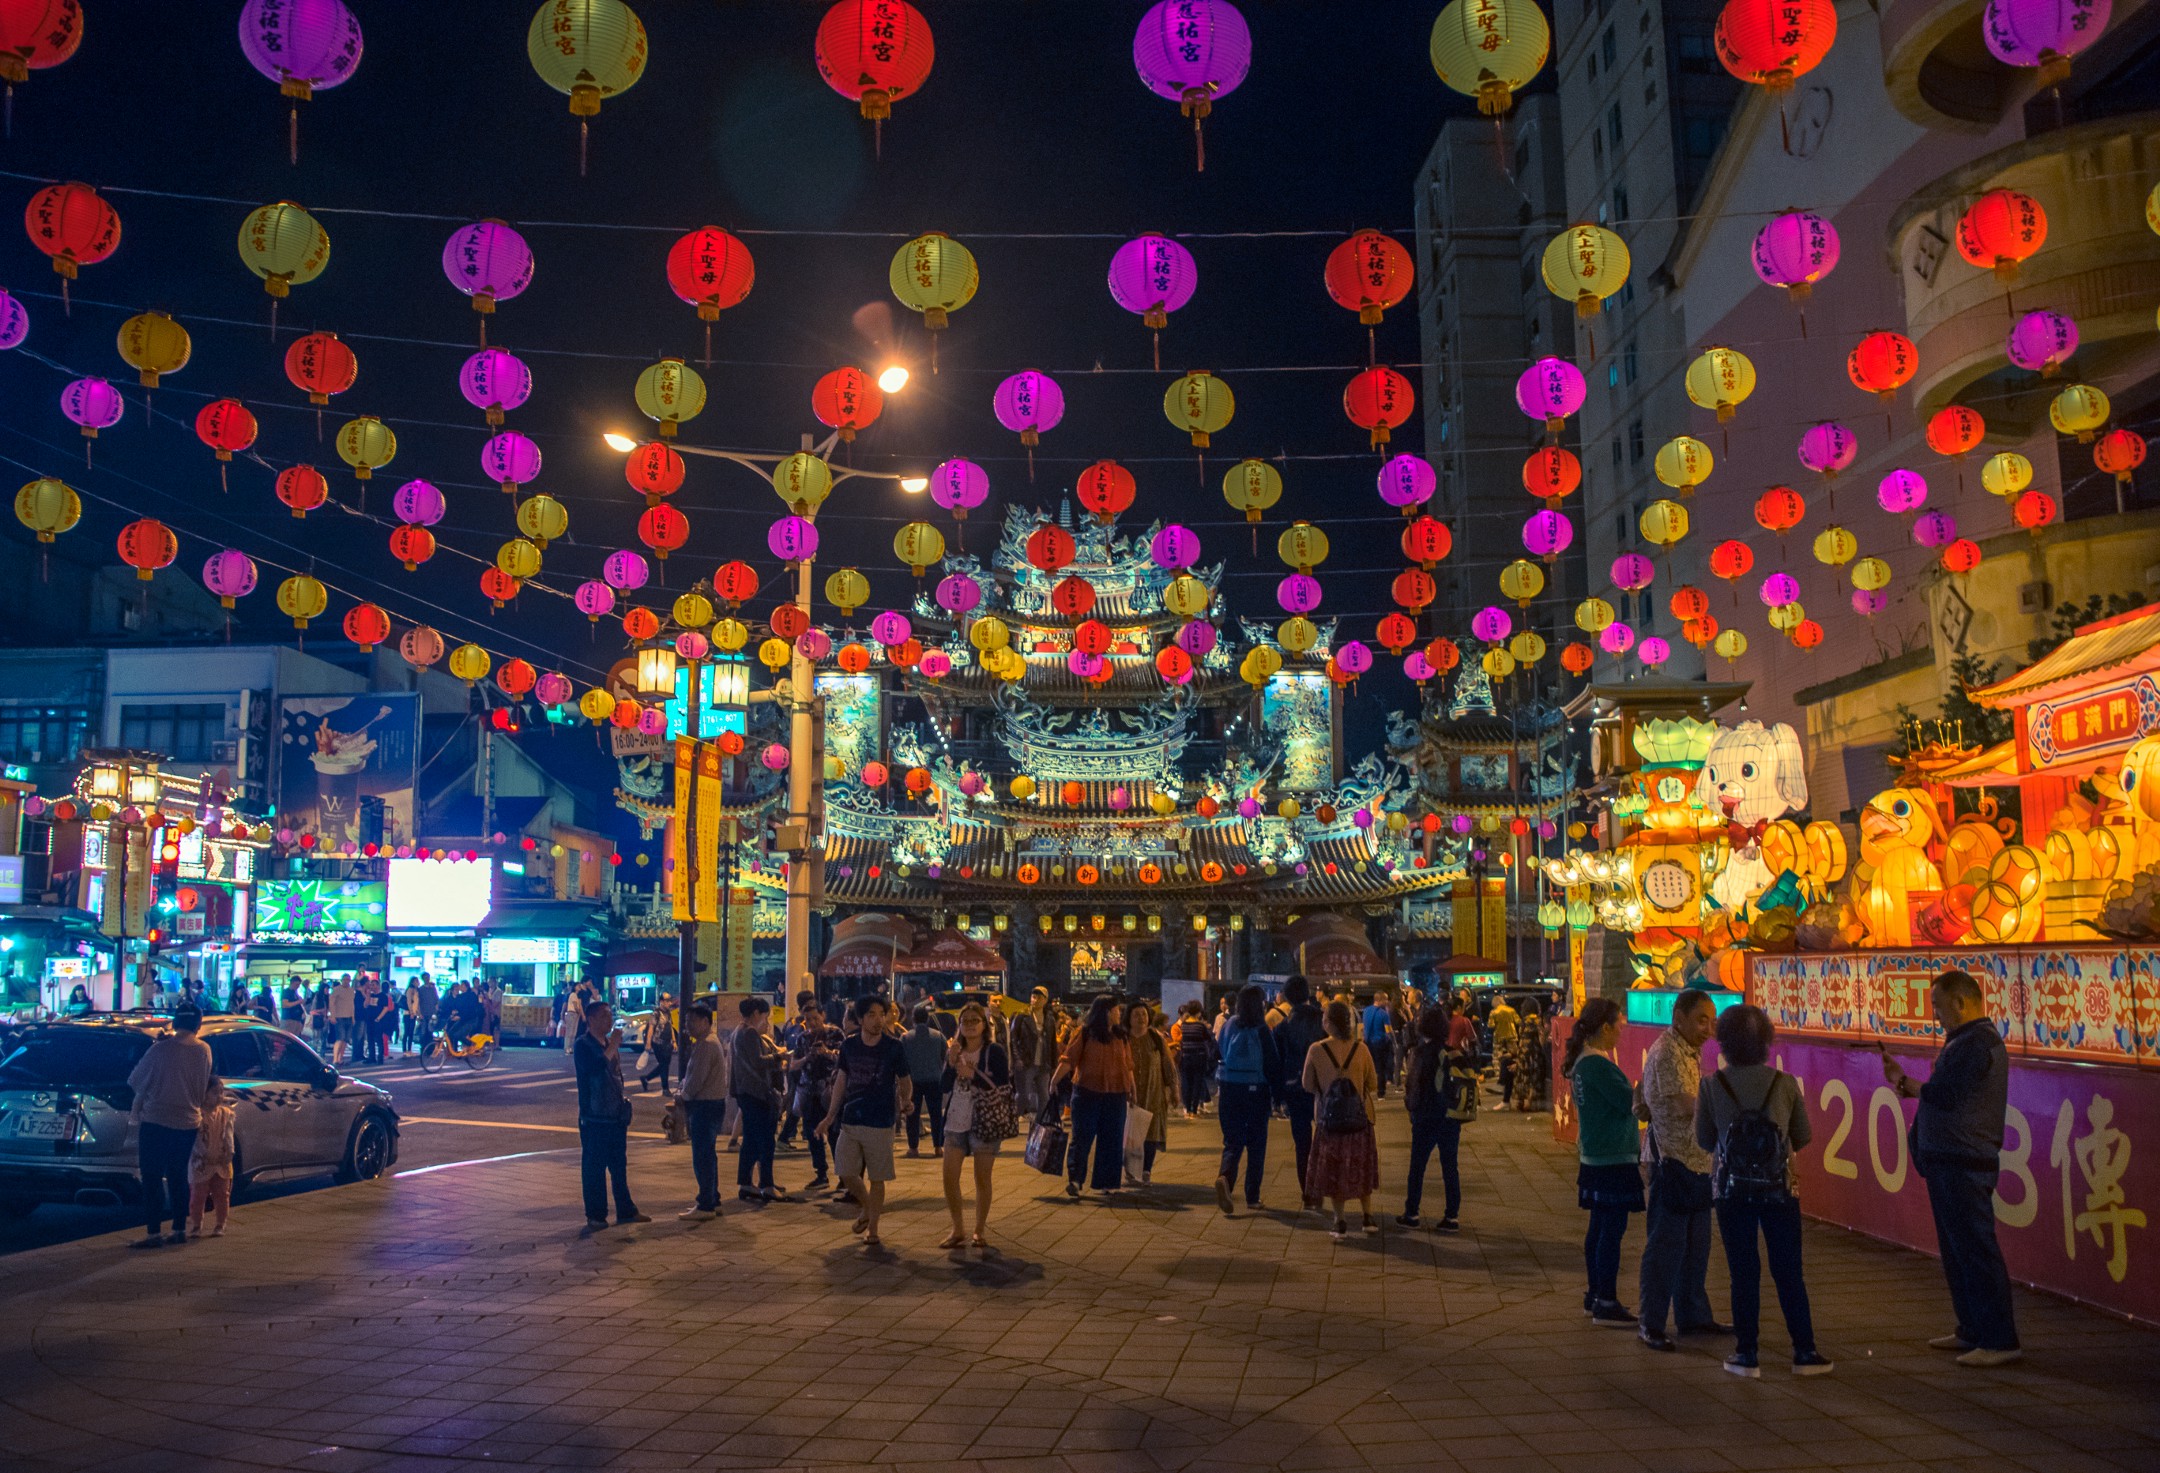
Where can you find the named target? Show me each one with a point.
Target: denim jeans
(1601, 1252)
(1298, 1105)
(760, 1123)
(813, 1129)
(706, 1118)
(1675, 1261)
(1436, 1133)
(1779, 1223)
(1098, 1123)
(1243, 1113)
(603, 1153)
(930, 1096)
(161, 1155)
(1963, 1201)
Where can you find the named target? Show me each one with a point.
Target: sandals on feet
(952, 1240)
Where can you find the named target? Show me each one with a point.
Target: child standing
(210, 1169)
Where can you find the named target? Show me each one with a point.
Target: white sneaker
(218, 1231)
(1987, 1360)
(696, 1214)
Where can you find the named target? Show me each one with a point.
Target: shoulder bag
(997, 1110)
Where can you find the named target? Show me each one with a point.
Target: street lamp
(893, 378)
(620, 443)
(914, 485)
(656, 666)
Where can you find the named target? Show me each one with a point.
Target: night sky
(1032, 121)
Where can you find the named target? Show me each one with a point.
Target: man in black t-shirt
(870, 1089)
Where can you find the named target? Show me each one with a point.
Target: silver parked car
(64, 1100)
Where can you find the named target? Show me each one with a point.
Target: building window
(1612, 381)
(1612, 125)
(43, 733)
(183, 733)
(1628, 359)
(1619, 202)
(1593, 66)
(1616, 457)
(1625, 297)
(1696, 52)
(1597, 149)
(1635, 442)
(1609, 48)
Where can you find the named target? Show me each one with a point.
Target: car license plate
(43, 1127)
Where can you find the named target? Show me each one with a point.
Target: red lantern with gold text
(654, 470)
(1577, 657)
(663, 529)
(1551, 472)
(1883, 363)
(1377, 401)
(1426, 541)
(1443, 655)
(736, 583)
(412, 546)
(1413, 589)
(1049, 548)
(1106, 489)
(1397, 632)
(847, 400)
(148, 545)
(1073, 597)
(366, 625)
(321, 365)
(499, 586)
(1771, 42)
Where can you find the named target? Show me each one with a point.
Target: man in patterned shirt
(1676, 1251)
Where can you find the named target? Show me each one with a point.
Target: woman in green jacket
(1608, 1182)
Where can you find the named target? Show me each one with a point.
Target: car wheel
(367, 1154)
(17, 1208)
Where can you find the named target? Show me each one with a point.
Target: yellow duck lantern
(1895, 876)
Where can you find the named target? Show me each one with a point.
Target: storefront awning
(642, 963)
(867, 945)
(949, 951)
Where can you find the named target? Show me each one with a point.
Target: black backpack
(1754, 1157)
(1342, 1107)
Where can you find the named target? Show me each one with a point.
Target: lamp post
(125, 781)
(655, 675)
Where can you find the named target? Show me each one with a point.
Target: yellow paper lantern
(1870, 574)
(517, 559)
(1252, 486)
(775, 654)
(366, 445)
(470, 663)
(283, 244)
(803, 481)
(1835, 547)
(918, 544)
(1163, 804)
(1721, 379)
(542, 519)
(1730, 643)
(1528, 647)
(301, 598)
(1187, 596)
(935, 275)
(1297, 635)
(989, 633)
(587, 49)
(1288, 808)
(730, 635)
(1497, 663)
(1785, 617)
(2079, 410)
(670, 392)
(1594, 615)
(1585, 264)
(1683, 463)
(1489, 49)
(691, 610)
(1023, 787)
(1522, 580)
(847, 590)
(1200, 404)
(596, 705)
(2006, 474)
(1663, 523)
(1012, 668)
(1303, 546)
(48, 507)
(152, 344)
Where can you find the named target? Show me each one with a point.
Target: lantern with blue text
(1489, 49)
(847, 400)
(1772, 42)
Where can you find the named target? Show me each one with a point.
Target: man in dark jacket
(603, 1120)
(1957, 1138)
(1301, 1027)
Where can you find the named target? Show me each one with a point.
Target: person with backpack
(1300, 1027)
(1248, 1077)
(1435, 1093)
(1099, 1063)
(1676, 1229)
(1344, 1084)
(1608, 1182)
(1195, 1058)
(1754, 1119)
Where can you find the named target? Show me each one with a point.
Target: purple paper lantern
(594, 599)
(1353, 657)
(1028, 403)
(1796, 250)
(1547, 828)
(1616, 638)
(2042, 33)
(493, 381)
(1196, 637)
(14, 320)
(652, 721)
(1121, 798)
(792, 539)
(1935, 529)
(1869, 601)
(1653, 651)
(626, 571)
(92, 403)
(813, 645)
(302, 45)
(692, 645)
(419, 503)
(1827, 448)
(1174, 548)
(2041, 341)
(958, 594)
(554, 689)
(1780, 589)
(1550, 389)
(1083, 664)
(1417, 667)
(1192, 51)
(489, 262)
(1901, 491)
(959, 485)
(1299, 593)
(1407, 481)
(1153, 276)
(510, 460)
(891, 628)
(1632, 571)
(229, 574)
(1548, 533)
(1491, 624)
(1461, 823)
(1248, 808)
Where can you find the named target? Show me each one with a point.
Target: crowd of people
(363, 1017)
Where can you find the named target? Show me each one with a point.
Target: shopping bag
(1046, 1148)
(1137, 1123)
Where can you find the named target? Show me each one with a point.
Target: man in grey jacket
(704, 1102)
(168, 1084)
(1676, 1251)
(603, 1120)
(1957, 1140)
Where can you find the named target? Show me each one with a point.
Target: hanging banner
(707, 840)
(1463, 918)
(1494, 934)
(741, 923)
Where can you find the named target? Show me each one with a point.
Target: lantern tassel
(1199, 143)
(292, 133)
(222, 483)
(9, 109)
(273, 319)
(584, 136)
(708, 345)
(1372, 353)
(1158, 352)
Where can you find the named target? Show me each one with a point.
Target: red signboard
(2100, 721)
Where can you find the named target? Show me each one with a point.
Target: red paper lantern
(2119, 452)
(2034, 510)
(663, 529)
(148, 545)
(1551, 472)
(303, 488)
(1443, 655)
(1379, 400)
(853, 658)
(516, 677)
(640, 625)
(789, 622)
(1770, 42)
(626, 714)
(1414, 589)
(321, 365)
(1397, 632)
(730, 743)
(412, 546)
(1688, 602)
(711, 270)
(1577, 657)
(1092, 637)
(1072, 793)
(654, 470)
(499, 586)
(1955, 430)
(1207, 807)
(366, 625)
(1699, 631)
(847, 400)
(874, 52)
(907, 654)
(71, 224)
(1426, 541)
(2002, 228)
(1807, 634)
(918, 780)
(1961, 556)
(1049, 548)
(1073, 597)
(1369, 273)
(1172, 663)
(1106, 489)
(1780, 509)
(1731, 560)
(225, 425)
(736, 582)
(1883, 363)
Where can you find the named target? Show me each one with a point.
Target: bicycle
(477, 1052)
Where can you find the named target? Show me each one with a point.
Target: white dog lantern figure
(1752, 777)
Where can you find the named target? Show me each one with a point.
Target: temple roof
(2123, 645)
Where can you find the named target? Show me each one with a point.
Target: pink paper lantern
(1407, 481)
(1121, 798)
(1083, 664)
(1192, 51)
(1461, 823)
(1248, 808)
(510, 460)
(875, 774)
(1827, 448)
(626, 571)
(419, 503)
(813, 645)
(1353, 657)
(958, 593)
(935, 665)
(93, 404)
(2042, 33)
(1028, 403)
(774, 757)
(554, 689)
(1491, 624)
(229, 574)
(973, 784)
(652, 721)
(2041, 341)
(1550, 389)
(1616, 638)
(792, 539)
(1653, 651)
(1196, 637)
(312, 45)
(493, 381)
(959, 485)
(692, 645)
(488, 261)
(14, 321)
(1870, 601)
(1632, 571)
(1174, 547)
(594, 599)
(1417, 667)
(1901, 491)
(1548, 533)
(1935, 529)
(890, 628)
(1152, 276)
(1780, 589)
(1299, 593)
(1362, 818)
(1796, 250)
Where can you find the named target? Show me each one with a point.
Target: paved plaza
(454, 1318)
